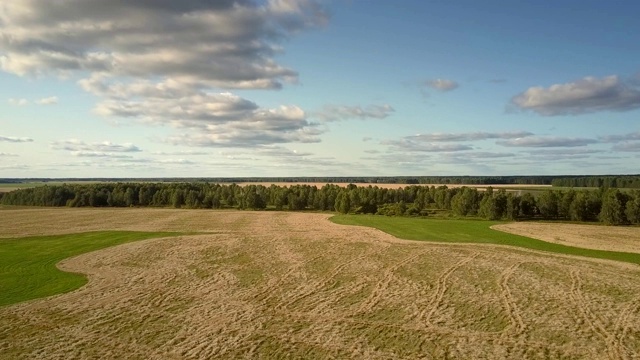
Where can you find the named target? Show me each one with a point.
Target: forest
(607, 205)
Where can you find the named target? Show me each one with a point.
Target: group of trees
(610, 206)
(619, 181)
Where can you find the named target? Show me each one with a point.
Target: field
(6, 187)
(295, 285)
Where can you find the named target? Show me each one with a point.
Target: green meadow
(28, 265)
(470, 231)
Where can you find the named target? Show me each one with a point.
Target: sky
(261, 88)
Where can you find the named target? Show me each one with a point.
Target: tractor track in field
(615, 349)
(435, 303)
(517, 323)
(277, 285)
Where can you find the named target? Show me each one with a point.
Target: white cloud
(587, 95)
(342, 112)
(282, 152)
(618, 138)
(221, 43)
(14, 139)
(181, 153)
(18, 102)
(8, 154)
(81, 148)
(472, 156)
(406, 144)
(561, 154)
(209, 119)
(188, 48)
(627, 146)
(442, 84)
(546, 141)
(99, 154)
(52, 100)
(471, 136)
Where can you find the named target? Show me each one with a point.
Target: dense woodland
(610, 206)
(629, 181)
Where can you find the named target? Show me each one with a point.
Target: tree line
(610, 206)
(618, 181)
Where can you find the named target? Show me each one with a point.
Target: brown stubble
(277, 284)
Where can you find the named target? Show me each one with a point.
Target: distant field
(398, 186)
(295, 285)
(11, 187)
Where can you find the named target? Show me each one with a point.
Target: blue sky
(197, 88)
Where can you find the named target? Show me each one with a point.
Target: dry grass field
(398, 186)
(609, 238)
(294, 285)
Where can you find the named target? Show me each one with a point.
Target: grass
(28, 265)
(470, 231)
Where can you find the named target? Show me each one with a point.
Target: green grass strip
(28, 265)
(470, 231)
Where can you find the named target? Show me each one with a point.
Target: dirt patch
(294, 285)
(598, 237)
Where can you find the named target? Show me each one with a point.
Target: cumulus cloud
(18, 102)
(160, 62)
(52, 100)
(442, 84)
(339, 113)
(212, 119)
(587, 95)
(546, 141)
(14, 139)
(248, 134)
(472, 136)
(82, 148)
(228, 43)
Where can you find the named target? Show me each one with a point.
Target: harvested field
(398, 186)
(609, 238)
(294, 285)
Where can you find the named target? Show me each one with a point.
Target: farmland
(282, 284)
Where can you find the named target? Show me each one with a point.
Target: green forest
(606, 205)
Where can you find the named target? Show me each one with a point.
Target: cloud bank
(164, 62)
(587, 95)
(224, 43)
